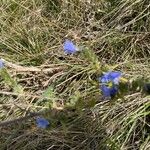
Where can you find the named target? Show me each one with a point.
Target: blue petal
(115, 77)
(111, 76)
(42, 122)
(105, 91)
(115, 74)
(109, 91)
(105, 78)
(69, 47)
(113, 91)
(1, 63)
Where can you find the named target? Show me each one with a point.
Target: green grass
(39, 76)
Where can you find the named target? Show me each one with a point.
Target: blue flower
(110, 82)
(42, 122)
(109, 91)
(69, 47)
(111, 77)
(1, 63)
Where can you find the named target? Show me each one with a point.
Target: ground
(39, 80)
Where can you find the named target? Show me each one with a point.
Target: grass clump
(40, 80)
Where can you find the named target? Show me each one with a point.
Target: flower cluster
(109, 83)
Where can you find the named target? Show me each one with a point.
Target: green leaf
(48, 97)
(10, 81)
(92, 58)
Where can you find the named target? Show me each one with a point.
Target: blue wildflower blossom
(42, 123)
(69, 47)
(1, 63)
(111, 77)
(110, 82)
(109, 91)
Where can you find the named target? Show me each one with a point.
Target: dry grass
(39, 75)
